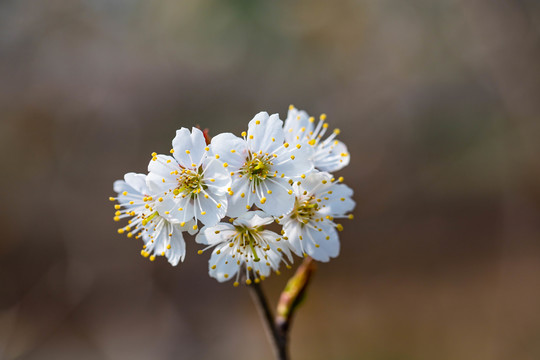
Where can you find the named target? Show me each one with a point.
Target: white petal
(294, 162)
(271, 237)
(293, 231)
(267, 133)
(137, 182)
(317, 183)
(208, 212)
(120, 186)
(132, 194)
(328, 248)
(332, 159)
(230, 149)
(339, 202)
(176, 209)
(254, 219)
(194, 143)
(295, 122)
(226, 266)
(165, 235)
(237, 204)
(177, 251)
(213, 235)
(279, 201)
(159, 178)
(216, 177)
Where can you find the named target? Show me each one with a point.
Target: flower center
(190, 183)
(246, 238)
(257, 167)
(305, 209)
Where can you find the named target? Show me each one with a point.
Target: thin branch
(277, 338)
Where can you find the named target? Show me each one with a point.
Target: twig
(278, 330)
(277, 338)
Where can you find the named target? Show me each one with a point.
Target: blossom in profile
(244, 245)
(263, 166)
(189, 185)
(310, 228)
(135, 202)
(329, 154)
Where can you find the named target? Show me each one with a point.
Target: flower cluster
(275, 172)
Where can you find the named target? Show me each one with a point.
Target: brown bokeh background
(438, 101)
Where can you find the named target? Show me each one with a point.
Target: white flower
(244, 243)
(262, 166)
(329, 155)
(190, 185)
(310, 228)
(161, 237)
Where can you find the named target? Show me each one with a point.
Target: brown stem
(277, 335)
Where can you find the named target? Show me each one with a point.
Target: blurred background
(438, 101)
